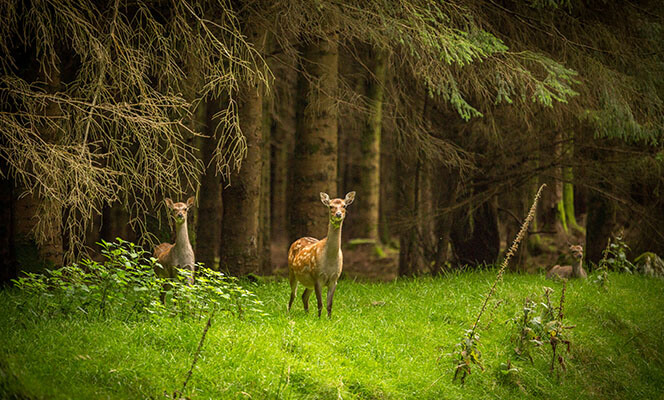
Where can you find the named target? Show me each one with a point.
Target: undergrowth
(381, 344)
(98, 330)
(125, 286)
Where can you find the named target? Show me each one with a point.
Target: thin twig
(196, 355)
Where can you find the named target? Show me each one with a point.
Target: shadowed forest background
(444, 117)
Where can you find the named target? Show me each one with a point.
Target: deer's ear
(325, 199)
(169, 203)
(350, 198)
(190, 202)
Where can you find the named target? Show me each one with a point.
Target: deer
(179, 254)
(316, 263)
(569, 271)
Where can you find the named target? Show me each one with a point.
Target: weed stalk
(177, 395)
(468, 352)
(508, 256)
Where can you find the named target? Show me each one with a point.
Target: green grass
(383, 342)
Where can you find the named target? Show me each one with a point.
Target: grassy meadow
(384, 341)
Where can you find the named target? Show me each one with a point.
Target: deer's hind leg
(305, 299)
(318, 291)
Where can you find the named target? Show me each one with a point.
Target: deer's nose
(338, 214)
(180, 215)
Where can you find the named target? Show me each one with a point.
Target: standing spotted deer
(180, 254)
(569, 271)
(316, 263)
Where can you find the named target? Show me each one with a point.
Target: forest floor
(384, 341)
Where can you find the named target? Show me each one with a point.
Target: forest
(444, 118)
(478, 141)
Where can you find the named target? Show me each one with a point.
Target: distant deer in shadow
(179, 254)
(569, 271)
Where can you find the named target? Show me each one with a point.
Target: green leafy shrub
(508, 373)
(125, 285)
(541, 323)
(614, 256)
(466, 354)
(211, 290)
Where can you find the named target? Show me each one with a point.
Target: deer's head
(337, 206)
(577, 251)
(179, 210)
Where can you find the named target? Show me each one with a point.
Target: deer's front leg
(318, 297)
(330, 298)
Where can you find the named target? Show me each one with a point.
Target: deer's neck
(333, 242)
(182, 236)
(577, 267)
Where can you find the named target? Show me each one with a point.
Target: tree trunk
(208, 212)
(568, 189)
(239, 250)
(568, 199)
(115, 223)
(407, 188)
(368, 216)
(315, 157)
(8, 267)
(446, 185)
(389, 204)
(599, 225)
(551, 212)
(93, 235)
(475, 235)
(282, 143)
(264, 231)
(426, 226)
(409, 171)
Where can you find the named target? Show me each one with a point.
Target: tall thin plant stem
(196, 354)
(508, 256)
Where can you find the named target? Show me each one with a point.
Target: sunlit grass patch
(384, 341)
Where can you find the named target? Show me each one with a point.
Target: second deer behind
(180, 254)
(569, 271)
(316, 263)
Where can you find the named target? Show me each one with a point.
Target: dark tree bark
(115, 223)
(389, 205)
(599, 225)
(208, 212)
(282, 143)
(239, 251)
(426, 226)
(315, 157)
(264, 229)
(446, 189)
(8, 266)
(368, 216)
(407, 188)
(551, 212)
(475, 236)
